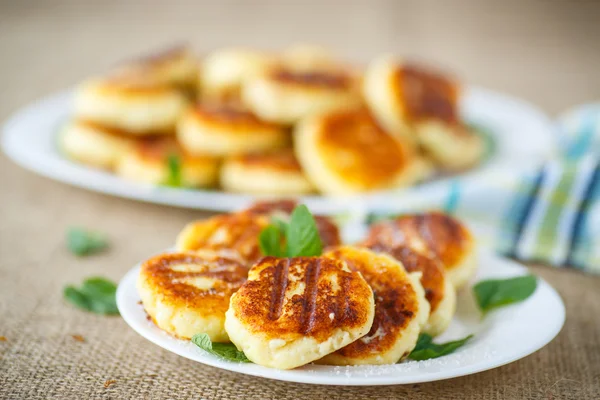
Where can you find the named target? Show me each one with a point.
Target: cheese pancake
(94, 144)
(149, 160)
(133, 103)
(236, 232)
(439, 292)
(188, 293)
(293, 311)
(328, 230)
(434, 233)
(422, 106)
(347, 152)
(224, 71)
(307, 57)
(400, 309)
(286, 96)
(276, 173)
(175, 66)
(222, 130)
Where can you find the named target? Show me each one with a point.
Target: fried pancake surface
(347, 152)
(222, 130)
(328, 230)
(285, 95)
(439, 292)
(134, 103)
(400, 309)
(188, 293)
(277, 173)
(94, 144)
(434, 233)
(235, 232)
(148, 161)
(294, 311)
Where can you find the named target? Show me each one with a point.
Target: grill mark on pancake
(310, 296)
(280, 283)
(342, 309)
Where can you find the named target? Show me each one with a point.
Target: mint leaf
(496, 293)
(82, 242)
(226, 351)
(302, 235)
(96, 295)
(426, 349)
(173, 171)
(270, 241)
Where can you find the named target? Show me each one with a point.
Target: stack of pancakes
(361, 304)
(286, 123)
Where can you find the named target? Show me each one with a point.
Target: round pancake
(451, 146)
(436, 234)
(307, 57)
(400, 309)
(286, 96)
(236, 232)
(347, 152)
(93, 144)
(148, 162)
(293, 311)
(439, 292)
(223, 71)
(223, 130)
(401, 95)
(328, 230)
(269, 174)
(187, 293)
(175, 66)
(133, 103)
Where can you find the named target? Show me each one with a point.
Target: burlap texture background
(543, 51)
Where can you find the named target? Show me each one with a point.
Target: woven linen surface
(40, 359)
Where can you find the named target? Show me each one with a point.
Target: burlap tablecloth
(543, 51)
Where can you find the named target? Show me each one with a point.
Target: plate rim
(130, 278)
(54, 108)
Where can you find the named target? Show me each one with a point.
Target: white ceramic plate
(522, 137)
(503, 336)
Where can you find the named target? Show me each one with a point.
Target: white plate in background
(503, 336)
(522, 136)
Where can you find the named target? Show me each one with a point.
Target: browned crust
(328, 230)
(313, 79)
(395, 304)
(228, 273)
(354, 145)
(425, 94)
(284, 160)
(234, 118)
(241, 234)
(262, 306)
(441, 235)
(432, 277)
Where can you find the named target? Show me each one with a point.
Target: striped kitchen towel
(550, 215)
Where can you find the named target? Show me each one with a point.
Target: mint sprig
(96, 295)
(82, 242)
(297, 238)
(426, 349)
(174, 175)
(226, 351)
(494, 293)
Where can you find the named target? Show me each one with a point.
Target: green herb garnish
(298, 238)
(82, 242)
(426, 349)
(173, 171)
(96, 295)
(496, 293)
(226, 351)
